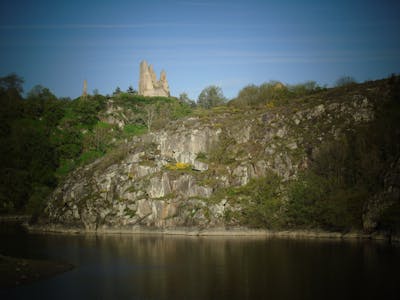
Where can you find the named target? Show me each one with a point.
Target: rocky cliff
(186, 174)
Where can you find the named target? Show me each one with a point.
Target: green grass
(134, 129)
(65, 167)
(89, 156)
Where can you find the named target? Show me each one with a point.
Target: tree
(40, 102)
(273, 91)
(41, 92)
(211, 96)
(117, 91)
(183, 97)
(11, 103)
(85, 112)
(249, 95)
(11, 82)
(131, 90)
(305, 88)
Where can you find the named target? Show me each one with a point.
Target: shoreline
(218, 231)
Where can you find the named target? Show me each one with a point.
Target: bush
(201, 156)
(179, 166)
(345, 81)
(66, 166)
(134, 129)
(317, 202)
(260, 201)
(304, 194)
(89, 156)
(273, 93)
(221, 151)
(265, 208)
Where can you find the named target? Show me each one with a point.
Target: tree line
(43, 138)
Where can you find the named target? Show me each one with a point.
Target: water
(167, 267)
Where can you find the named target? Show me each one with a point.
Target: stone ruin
(84, 90)
(148, 83)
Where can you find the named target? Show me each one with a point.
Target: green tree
(11, 82)
(131, 90)
(117, 91)
(249, 95)
(11, 104)
(211, 96)
(85, 112)
(184, 98)
(42, 104)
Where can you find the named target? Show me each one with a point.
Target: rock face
(172, 177)
(148, 83)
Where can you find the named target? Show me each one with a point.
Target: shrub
(273, 92)
(201, 156)
(178, 166)
(66, 166)
(221, 152)
(345, 81)
(265, 208)
(89, 156)
(260, 201)
(134, 129)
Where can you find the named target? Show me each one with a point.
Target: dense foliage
(211, 96)
(347, 172)
(272, 94)
(343, 175)
(43, 138)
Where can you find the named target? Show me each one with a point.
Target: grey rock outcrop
(148, 83)
(139, 184)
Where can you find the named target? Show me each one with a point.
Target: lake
(176, 267)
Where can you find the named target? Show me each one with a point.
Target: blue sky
(198, 42)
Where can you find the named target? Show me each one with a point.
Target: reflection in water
(167, 267)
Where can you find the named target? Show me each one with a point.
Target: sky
(231, 44)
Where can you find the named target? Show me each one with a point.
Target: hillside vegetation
(276, 156)
(43, 138)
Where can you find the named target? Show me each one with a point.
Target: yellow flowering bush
(178, 166)
(270, 105)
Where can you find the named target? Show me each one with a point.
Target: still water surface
(168, 267)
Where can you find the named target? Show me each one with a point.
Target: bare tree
(150, 115)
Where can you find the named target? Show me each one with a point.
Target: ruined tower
(84, 91)
(148, 83)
